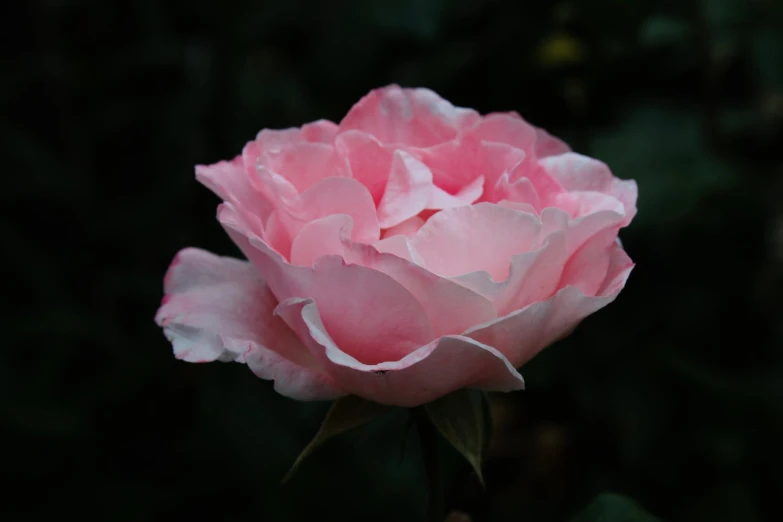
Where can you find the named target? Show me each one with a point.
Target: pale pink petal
(546, 186)
(470, 193)
(437, 368)
(230, 182)
(333, 196)
(607, 214)
(450, 307)
(457, 163)
(407, 228)
(581, 173)
(548, 145)
(217, 308)
(276, 235)
(319, 131)
(479, 237)
(521, 191)
(407, 190)
(272, 185)
(416, 117)
(304, 164)
(320, 237)
(587, 268)
(399, 246)
(521, 207)
(272, 139)
(369, 161)
(533, 276)
(523, 333)
(371, 316)
(536, 274)
(508, 128)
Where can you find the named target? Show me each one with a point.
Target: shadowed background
(673, 395)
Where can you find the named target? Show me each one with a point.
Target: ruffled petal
(370, 315)
(415, 117)
(548, 145)
(449, 307)
(304, 164)
(508, 128)
(522, 334)
(217, 308)
(407, 192)
(229, 181)
(470, 193)
(458, 163)
(479, 237)
(576, 172)
(369, 160)
(328, 197)
(437, 368)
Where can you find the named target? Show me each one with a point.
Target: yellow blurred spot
(560, 49)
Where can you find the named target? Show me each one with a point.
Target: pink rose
(412, 250)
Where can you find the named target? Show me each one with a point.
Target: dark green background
(673, 395)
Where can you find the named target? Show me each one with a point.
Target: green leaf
(344, 415)
(611, 507)
(463, 419)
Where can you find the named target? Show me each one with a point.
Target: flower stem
(430, 452)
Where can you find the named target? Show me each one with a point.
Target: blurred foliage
(673, 395)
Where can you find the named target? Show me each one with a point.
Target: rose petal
(523, 333)
(220, 308)
(407, 228)
(546, 186)
(304, 164)
(470, 193)
(548, 145)
(333, 196)
(437, 368)
(407, 190)
(581, 173)
(533, 276)
(479, 237)
(368, 313)
(521, 191)
(416, 117)
(450, 307)
(369, 161)
(230, 182)
(319, 131)
(457, 163)
(508, 128)
(319, 238)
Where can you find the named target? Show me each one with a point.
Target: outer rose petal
(229, 181)
(304, 164)
(548, 145)
(220, 308)
(523, 333)
(508, 128)
(415, 117)
(440, 367)
(580, 173)
(369, 314)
